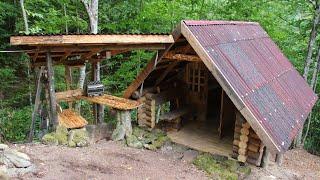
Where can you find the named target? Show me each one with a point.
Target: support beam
(98, 109)
(279, 159)
(182, 57)
(166, 72)
(52, 94)
(265, 158)
(68, 79)
(36, 104)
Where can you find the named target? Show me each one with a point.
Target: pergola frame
(45, 51)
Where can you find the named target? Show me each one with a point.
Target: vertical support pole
(279, 159)
(36, 104)
(68, 79)
(52, 94)
(265, 158)
(98, 109)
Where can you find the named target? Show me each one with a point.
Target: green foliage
(15, 123)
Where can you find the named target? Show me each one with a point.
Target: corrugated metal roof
(261, 75)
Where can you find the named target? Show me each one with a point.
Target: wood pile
(147, 112)
(247, 146)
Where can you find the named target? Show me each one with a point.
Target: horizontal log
(236, 135)
(243, 145)
(242, 151)
(244, 138)
(164, 96)
(253, 155)
(253, 148)
(242, 158)
(244, 131)
(253, 141)
(237, 129)
(69, 95)
(246, 125)
(236, 142)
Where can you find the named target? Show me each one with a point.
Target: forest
(292, 24)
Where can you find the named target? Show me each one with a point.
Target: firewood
(242, 158)
(242, 151)
(243, 145)
(246, 125)
(244, 131)
(236, 135)
(236, 142)
(244, 138)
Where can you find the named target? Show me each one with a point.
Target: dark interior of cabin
(200, 112)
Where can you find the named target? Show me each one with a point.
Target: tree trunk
(52, 94)
(313, 36)
(25, 18)
(313, 84)
(92, 10)
(312, 40)
(82, 77)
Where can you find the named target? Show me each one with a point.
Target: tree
(308, 61)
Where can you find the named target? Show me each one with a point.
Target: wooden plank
(150, 66)
(70, 119)
(52, 94)
(113, 101)
(69, 95)
(174, 114)
(182, 57)
(90, 39)
(230, 91)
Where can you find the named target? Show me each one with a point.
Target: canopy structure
(260, 81)
(76, 49)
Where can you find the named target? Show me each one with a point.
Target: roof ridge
(217, 22)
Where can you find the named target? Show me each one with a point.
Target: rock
(13, 172)
(190, 155)
(80, 137)
(61, 135)
(119, 133)
(18, 154)
(271, 177)
(150, 147)
(99, 131)
(3, 146)
(3, 175)
(50, 139)
(132, 141)
(17, 161)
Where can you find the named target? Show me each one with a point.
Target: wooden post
(279, 159)
(52, 94)
(36, 104)
(265, 158)
(68, 78)
(98, 109)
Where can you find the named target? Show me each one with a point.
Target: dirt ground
(113, 160)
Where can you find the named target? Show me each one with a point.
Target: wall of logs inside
(247, 146)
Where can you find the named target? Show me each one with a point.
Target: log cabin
(224, 87)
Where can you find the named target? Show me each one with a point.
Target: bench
(174, 117)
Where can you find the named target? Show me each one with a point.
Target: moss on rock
(224, 168)
(132, 141)
(50, 139)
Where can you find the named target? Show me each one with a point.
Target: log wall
(247, 146)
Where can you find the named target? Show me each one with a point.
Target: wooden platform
(204, 138)
(70, 119)
(113, 101)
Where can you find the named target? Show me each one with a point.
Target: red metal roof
(262, 77)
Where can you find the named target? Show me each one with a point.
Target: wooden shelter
(224, 87)
(74, 51)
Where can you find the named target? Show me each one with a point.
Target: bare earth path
(112, 160)
(106, 160)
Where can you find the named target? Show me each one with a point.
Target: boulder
(132, 141)
(18, 161)
(119, 133)
(79, 137)
(3, 147)
(50, 139)
(190, 155)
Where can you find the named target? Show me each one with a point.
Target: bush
(15, 123)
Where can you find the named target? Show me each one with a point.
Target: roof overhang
(78, 49)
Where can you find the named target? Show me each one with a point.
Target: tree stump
(124, 127)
